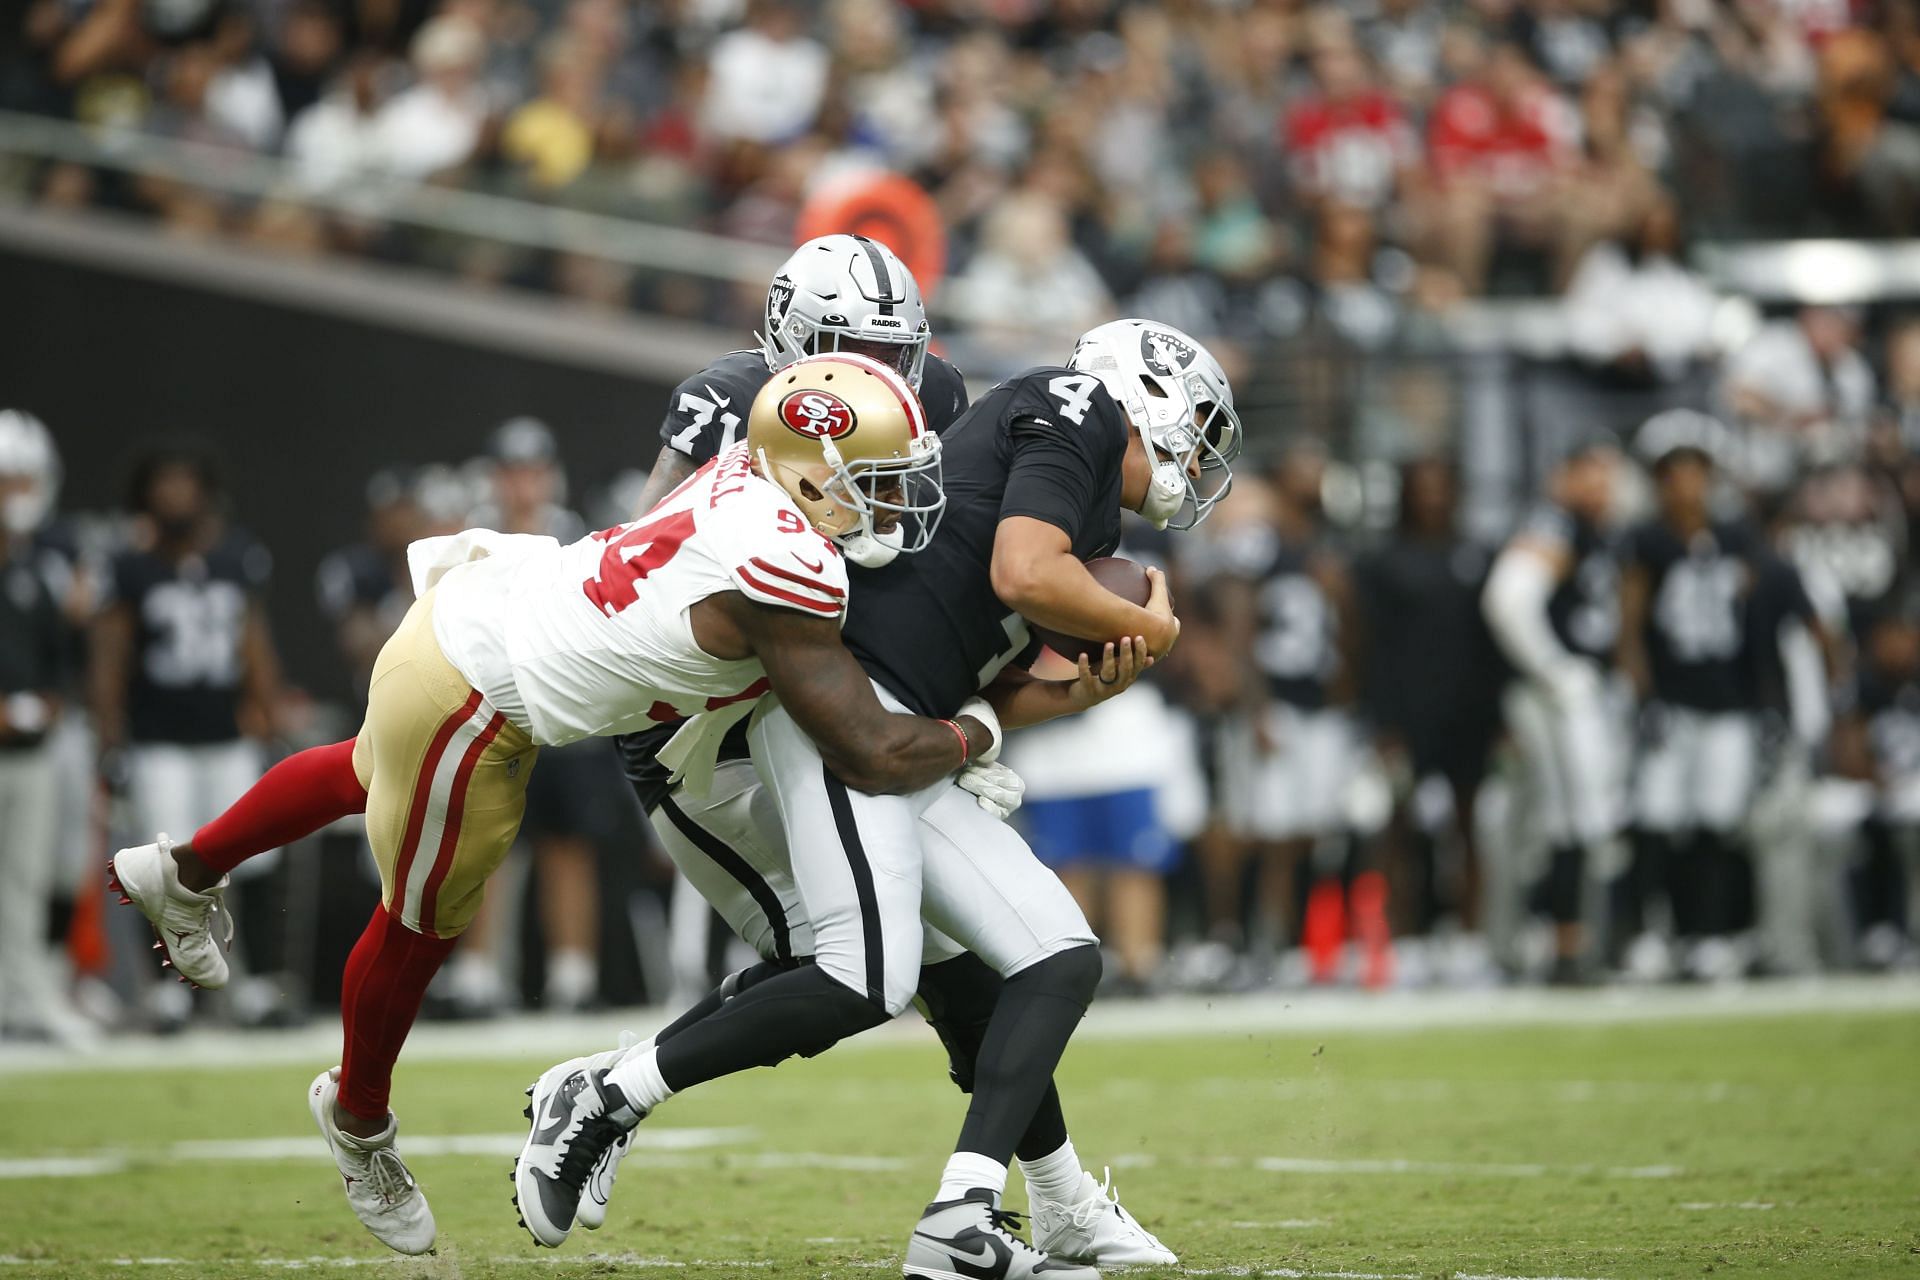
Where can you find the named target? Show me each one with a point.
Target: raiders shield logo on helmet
(820, 415)
(1164, 353)
(779, 294)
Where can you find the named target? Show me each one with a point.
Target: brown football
(1122, 577)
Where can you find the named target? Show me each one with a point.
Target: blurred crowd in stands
(1232, 166)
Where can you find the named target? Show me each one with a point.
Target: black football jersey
(1297, 646)
(1697, 628)
(189, 619)
(32, 636)
(706, 415)
(708, 412)
(1891, 708)
(1584, 609)
(1047, 444)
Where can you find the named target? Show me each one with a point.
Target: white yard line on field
(1458, 1168)
(1299, 1013)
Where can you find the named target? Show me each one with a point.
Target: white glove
(998, 788)
(980, 709)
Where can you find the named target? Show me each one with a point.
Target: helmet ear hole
(810, 491)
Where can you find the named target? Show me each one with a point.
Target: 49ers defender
(732, 586)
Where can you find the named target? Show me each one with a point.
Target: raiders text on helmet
(846, 293)
(1176, 396)
(846, 437)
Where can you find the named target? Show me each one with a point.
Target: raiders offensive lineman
(1553, 604)
(1038, 472)
(732, 586)
(1687, 585)
(837, 293)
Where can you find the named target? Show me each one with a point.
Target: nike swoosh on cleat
(985, 1264)
(559, 1112)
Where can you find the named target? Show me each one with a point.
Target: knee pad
(958, 996)
(1073, 974)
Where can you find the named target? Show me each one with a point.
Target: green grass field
(1778, 1146)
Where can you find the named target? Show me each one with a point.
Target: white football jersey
(596, 638)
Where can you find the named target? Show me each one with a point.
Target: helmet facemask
(873, 509)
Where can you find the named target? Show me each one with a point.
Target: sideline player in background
(1553, 603)
(1686, 590)
(1286, 765)
(844, 293)
(734, 585)
(1038, 472)
(184, 672)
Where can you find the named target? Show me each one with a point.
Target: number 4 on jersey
(633, 551)
(1076, 395)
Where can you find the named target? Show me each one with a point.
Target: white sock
(966, 1170)
(572, 979)
(638, 1077)
(1054, 1176)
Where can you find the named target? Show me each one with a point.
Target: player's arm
(670, 469)
(1635, 590)
(1036, 574)
(260, 664)
(1338, 584)
(110, 661)
(1019, 699)
(830, 697)
(1514, 604)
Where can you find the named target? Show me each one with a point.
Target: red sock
(295, 798)
(380, 993)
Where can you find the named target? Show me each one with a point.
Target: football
(1122, 577)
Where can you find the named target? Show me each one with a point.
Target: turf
(1777, 1146)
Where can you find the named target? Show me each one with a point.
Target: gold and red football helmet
(846, 437)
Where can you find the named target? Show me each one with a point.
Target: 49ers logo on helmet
(819, 415)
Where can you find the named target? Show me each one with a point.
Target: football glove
(996, 787)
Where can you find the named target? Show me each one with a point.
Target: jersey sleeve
(943, 394)
(773, 557)
(707, 413)
(1067, 437)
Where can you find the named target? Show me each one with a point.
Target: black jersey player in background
(1553, 603)
(1287, 763)
(184, 675)
(1687, 588)
(1419, 596)
(1036, 474)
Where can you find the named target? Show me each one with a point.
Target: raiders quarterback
(733, 585)
(840, 292)
(1037, 474)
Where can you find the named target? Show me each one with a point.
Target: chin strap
(871, 550)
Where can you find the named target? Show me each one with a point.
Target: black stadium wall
(300, 404)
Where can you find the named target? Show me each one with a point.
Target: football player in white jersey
(734, 585)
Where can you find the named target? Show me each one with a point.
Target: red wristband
(966, 748)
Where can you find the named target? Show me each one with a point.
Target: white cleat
(380, 1191)
(973, 1239)
(1096, 1229)
(145, 877)
(592, 1213)
(575, 1118)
